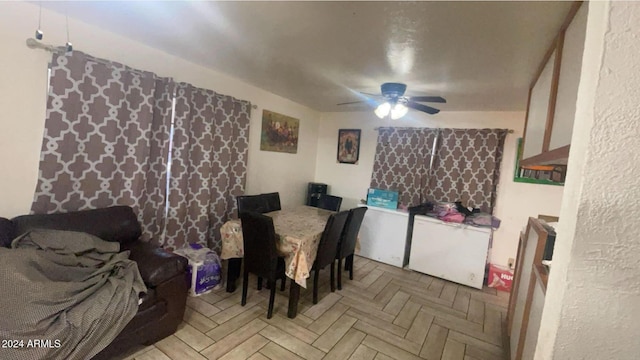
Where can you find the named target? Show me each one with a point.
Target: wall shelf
(557, 156)
(518, 177)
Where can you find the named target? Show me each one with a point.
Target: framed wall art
(348, 146)
(279, 133)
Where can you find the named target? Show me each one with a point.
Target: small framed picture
(348, 146)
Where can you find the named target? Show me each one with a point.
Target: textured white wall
(592, 306)
(515, 202)
(23, 99)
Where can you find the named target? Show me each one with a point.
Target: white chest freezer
(383, 236)
(454, 252)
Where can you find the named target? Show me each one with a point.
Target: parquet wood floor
(384, 313)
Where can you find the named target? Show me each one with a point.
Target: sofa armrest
(155, 264)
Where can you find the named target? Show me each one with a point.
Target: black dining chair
(327, 249)
(329, 202)
(272, 201)
(260, 204)
(347, 246)
(260, 255)
(253, 203)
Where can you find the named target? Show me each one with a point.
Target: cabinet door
(525, 277)
(538, 111)
(535, 316)
(569, 79)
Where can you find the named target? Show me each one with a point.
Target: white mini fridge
(451, 251)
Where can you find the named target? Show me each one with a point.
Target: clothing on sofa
(71, 288)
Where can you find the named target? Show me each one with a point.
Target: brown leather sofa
(162, 308)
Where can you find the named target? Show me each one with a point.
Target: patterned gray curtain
(105, 139)
(466, 167)
(208, 165)
(402, 162)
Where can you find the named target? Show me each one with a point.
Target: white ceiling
(478, 55)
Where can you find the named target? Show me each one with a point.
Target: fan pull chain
(39, 33)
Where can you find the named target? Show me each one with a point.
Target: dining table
(298, 232)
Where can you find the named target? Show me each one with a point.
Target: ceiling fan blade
(424, 108)
(351, 102)
(436, 99)
(368, 94)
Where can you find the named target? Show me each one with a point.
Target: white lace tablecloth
(298, 229)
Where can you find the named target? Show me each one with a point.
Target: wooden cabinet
(568, 80)
(528, 292)
(551, 105)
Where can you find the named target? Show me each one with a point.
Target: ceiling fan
(396, 104)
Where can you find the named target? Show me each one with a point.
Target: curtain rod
(35, 44)
(510, 131)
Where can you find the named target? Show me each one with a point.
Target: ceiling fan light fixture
(383, 110)
(398, 111)
(393, 103)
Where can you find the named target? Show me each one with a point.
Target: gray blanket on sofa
(64, 295)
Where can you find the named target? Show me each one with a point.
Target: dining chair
(329, 202)
(327, 249)
(272, 201)
(260, 255)
(347, 246)
(253, 203)
(260, 204)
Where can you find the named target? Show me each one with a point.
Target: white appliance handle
(456, 225)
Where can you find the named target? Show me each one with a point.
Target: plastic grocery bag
(203, 271)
